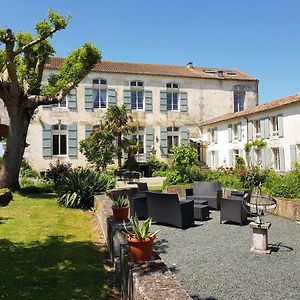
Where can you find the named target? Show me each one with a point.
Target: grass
(48, 252)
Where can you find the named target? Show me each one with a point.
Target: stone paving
(213, 260)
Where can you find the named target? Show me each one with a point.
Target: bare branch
(34, 42)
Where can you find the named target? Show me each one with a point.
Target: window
(137, 94)
(213, 158)
(235, 136)
(100, 93)
(213, 135)
(173, 137)
(59, 139)
(257, 128)
(297, 152)
(258, 159)
(139, 136)
(276, 159)
(238, 98)
(235, 155)
(274, 124)
(172, 96)
(62, 104)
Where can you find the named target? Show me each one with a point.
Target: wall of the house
(288, 140)
(207, 98)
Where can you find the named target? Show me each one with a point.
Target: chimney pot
(190, 65)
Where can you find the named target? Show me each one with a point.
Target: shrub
(33, 185)
(131, 164)
(79, 188)
(27, 171)
(58, 172)
(5, 197)
(157, 167)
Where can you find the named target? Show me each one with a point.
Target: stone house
(275, 122)
(167, 104)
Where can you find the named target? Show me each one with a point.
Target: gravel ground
(213, 261)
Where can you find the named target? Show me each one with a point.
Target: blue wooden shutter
(88, 130)
(72, 99)
(163, 141)
(267, 127)
(230, 132)
(148, 101)
(127, 100)
(112, 97)
(184, 102)
(149, 139)
(89, 101)
(293, 154)
(163, 101)
(250, 130)
(47, 147)
(281, 159)
(72, 140)
(184, 136)
(239, 129)
(280, 125)
(262, 128)
(230, 159)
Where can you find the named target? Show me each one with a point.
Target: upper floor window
(62, 104)
(59, 139)
(99, 93)
(213, 135)
(274, 124)
(235, 132)
(238, 98)
(257, 128)
(172, 96)
(139, 136)
(172, 137)
(137, 94)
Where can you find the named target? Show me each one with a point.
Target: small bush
(157, 167)
(80, 187)
(58, 172)
(27, 171)
(33, 185)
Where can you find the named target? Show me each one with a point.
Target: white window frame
(98, 87)
(140, 135)
(58, 105)
(235, 132)
(275, 126)
(276, 159)
(173, 132)
(213, 159)
(257, 128)
(173, 89)
(235, 153)
(239, 104)
(138, 87)
(213, 135)
(59, 132)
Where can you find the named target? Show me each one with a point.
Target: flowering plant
(253, 177)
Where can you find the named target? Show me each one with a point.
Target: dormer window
(137, 94)
(172, 96)
(100, 93)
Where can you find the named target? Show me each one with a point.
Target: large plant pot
(140, 250)
(120, 213)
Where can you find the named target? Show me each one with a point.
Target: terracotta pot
(120, 213)
(140, 250)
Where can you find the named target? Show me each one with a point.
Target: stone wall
(288, 208)
(147, 281)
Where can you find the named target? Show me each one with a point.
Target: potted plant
(120, 208)
(140, 239)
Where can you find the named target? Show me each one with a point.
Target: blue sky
(260, 37)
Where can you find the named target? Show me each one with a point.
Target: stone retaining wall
(288, 208)
(151, 280)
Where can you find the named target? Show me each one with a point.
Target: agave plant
(81, 185)
(120, 202)
(140, 230)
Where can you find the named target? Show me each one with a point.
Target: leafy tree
(22, 61)
(117, 121)
(99, 148)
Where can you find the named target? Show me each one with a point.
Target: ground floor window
(213, 158)
(172, 137)
(276, 159)
(139, 136)
(235, 155)
(59, 139)
(257, 157)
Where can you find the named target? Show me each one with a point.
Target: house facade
(276, 123)
(167, 104)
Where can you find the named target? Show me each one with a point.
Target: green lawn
(48, 252)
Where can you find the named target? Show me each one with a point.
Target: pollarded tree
(22, 61)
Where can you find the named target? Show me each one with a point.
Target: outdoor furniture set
(169, 209)
(128, 176)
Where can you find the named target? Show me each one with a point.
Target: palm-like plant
(117, 121)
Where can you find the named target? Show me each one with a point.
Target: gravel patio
(213, 261)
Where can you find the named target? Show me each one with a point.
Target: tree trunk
(16, 141)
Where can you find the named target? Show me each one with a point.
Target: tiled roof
(162, 70)
(260, 108)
